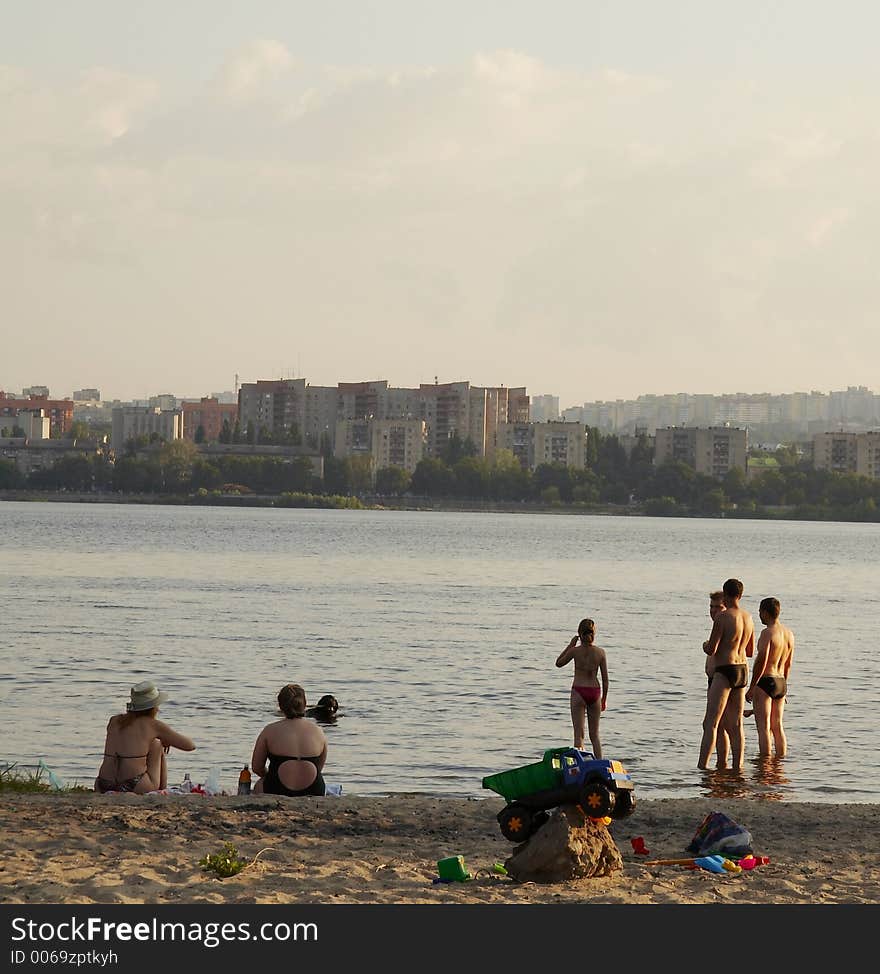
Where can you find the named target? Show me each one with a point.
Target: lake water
(438, 634)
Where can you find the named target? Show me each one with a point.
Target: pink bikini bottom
(589, 694)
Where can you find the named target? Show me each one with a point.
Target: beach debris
(568, 846)
(719, 834)
(639, 848)
(452, 870)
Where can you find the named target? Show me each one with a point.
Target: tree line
(611, 477)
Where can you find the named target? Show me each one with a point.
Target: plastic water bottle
(244, 781)
(187, 783)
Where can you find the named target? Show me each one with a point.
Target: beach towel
(719, 834)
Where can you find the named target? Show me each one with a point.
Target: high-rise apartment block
(536, 443)
(714, 451)
(843, 452)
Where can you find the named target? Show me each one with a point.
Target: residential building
(837, 452)
(209, 415)
(131, 422)
(87, 395)
(713, 451)
(868, 454)
(398, 443)
(59, 411)
(536, 443)
(277, 406)
(544, 409)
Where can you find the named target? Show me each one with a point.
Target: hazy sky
(592, 199)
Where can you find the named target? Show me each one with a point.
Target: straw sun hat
(144, 696)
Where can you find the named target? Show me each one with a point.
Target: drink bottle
(187, 782)
(244, 781)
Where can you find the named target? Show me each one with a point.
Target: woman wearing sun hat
(136, 744)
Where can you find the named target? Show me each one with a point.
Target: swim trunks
(736, 674)
(588, 694)
(774, 686)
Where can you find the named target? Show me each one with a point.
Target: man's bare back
(776, 643)
(732, 640)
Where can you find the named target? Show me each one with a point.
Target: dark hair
(716, 596)
(587, 629)
(770, 606)
(292, 700)
(733, 587)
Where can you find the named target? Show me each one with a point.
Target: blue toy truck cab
(564, 775)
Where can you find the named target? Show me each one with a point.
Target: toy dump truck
(563, 776)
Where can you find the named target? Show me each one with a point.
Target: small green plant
(23, 781)
(16, 780)
(224, 863)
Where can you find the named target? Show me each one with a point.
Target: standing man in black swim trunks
(732, 643)
(770, 678)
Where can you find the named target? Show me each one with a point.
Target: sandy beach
(77, 848)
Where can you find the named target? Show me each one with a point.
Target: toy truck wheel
(624, 804)
(597, 800)
(516, 822)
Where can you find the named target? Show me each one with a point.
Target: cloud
(257, 65)
(509, 213)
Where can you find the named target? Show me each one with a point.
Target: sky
(595, 200)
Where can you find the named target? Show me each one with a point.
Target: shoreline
(87, 848)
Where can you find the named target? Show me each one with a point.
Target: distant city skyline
(597, 200)
(44, 388)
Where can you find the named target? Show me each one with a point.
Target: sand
(77, 848)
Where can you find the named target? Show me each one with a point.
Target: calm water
(437, 633)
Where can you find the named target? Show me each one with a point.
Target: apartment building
(868, 454)
(536, 443)
(59, 411)
(131, 422)
(843, 452)
(278, 405)
(544, 409)
(209, 415)
(398, 443)
(713, 451)
(837, 452)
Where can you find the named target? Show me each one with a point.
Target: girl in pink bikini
(587, 697)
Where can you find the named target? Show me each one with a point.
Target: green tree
(10, 478)
(337, 476)
(432, 478)
(226, 432)
(471, 476)
(176, 461)
(509, 479)
(78, 430)
(456, 449)
(392, 481)
(361, 468)
(200, 434)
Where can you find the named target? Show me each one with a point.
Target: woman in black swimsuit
(289, 754)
